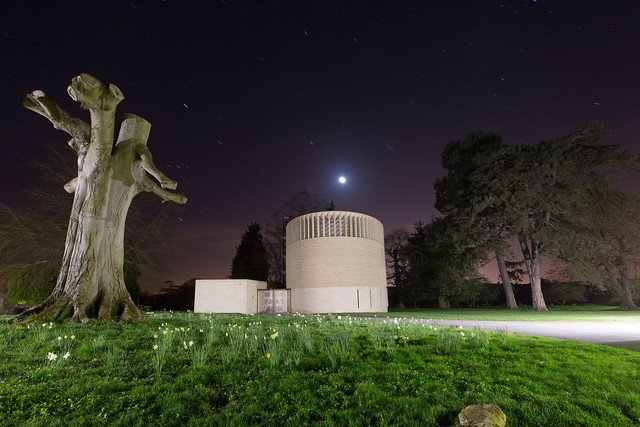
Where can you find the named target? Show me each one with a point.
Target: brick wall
(335, 248)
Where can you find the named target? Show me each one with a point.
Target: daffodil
(66, 355)
(155, 346)
(274, 335)
(51, 356)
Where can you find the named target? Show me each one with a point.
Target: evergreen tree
(443, 264)
(599, 241)
(250, 261)
(522, 191)
(461, 196)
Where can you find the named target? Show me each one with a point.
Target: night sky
(252, 102)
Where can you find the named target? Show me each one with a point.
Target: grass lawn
(566, 313)
(187, 369)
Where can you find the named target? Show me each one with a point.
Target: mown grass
(186, 369)
(583, 313)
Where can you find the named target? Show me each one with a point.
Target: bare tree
(395, 242)
(110, 175)
(300, 204)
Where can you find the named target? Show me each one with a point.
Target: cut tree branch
(79, 130)
(145, 184)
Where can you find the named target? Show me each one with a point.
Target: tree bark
(443, 303)
(506, 282)
(91, 279)
(532, 262)
(627, 299)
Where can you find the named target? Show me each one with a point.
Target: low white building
(227, 296)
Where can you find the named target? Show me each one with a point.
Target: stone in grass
(489, 415)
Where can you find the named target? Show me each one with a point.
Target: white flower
(190, 343)
(51, 356)
(274, 335)
(59, 338)
(155, 346)
(73, 337)
(66, 355)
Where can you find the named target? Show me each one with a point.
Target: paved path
(618, 334)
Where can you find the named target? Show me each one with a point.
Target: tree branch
(145, 184)
(79, 130)
(137, 129)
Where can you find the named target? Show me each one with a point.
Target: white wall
(362, 299)
(335, 249)
(227, 296)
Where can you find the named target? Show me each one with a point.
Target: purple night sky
(252, 102)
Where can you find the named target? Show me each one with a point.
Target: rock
(489, 415)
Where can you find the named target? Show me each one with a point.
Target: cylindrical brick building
(335, 263)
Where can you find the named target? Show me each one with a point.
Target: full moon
(342, 180)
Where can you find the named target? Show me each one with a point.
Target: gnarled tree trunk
(91, 279)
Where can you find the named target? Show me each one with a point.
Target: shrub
(31, 285)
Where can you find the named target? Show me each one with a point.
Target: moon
(342, 179)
